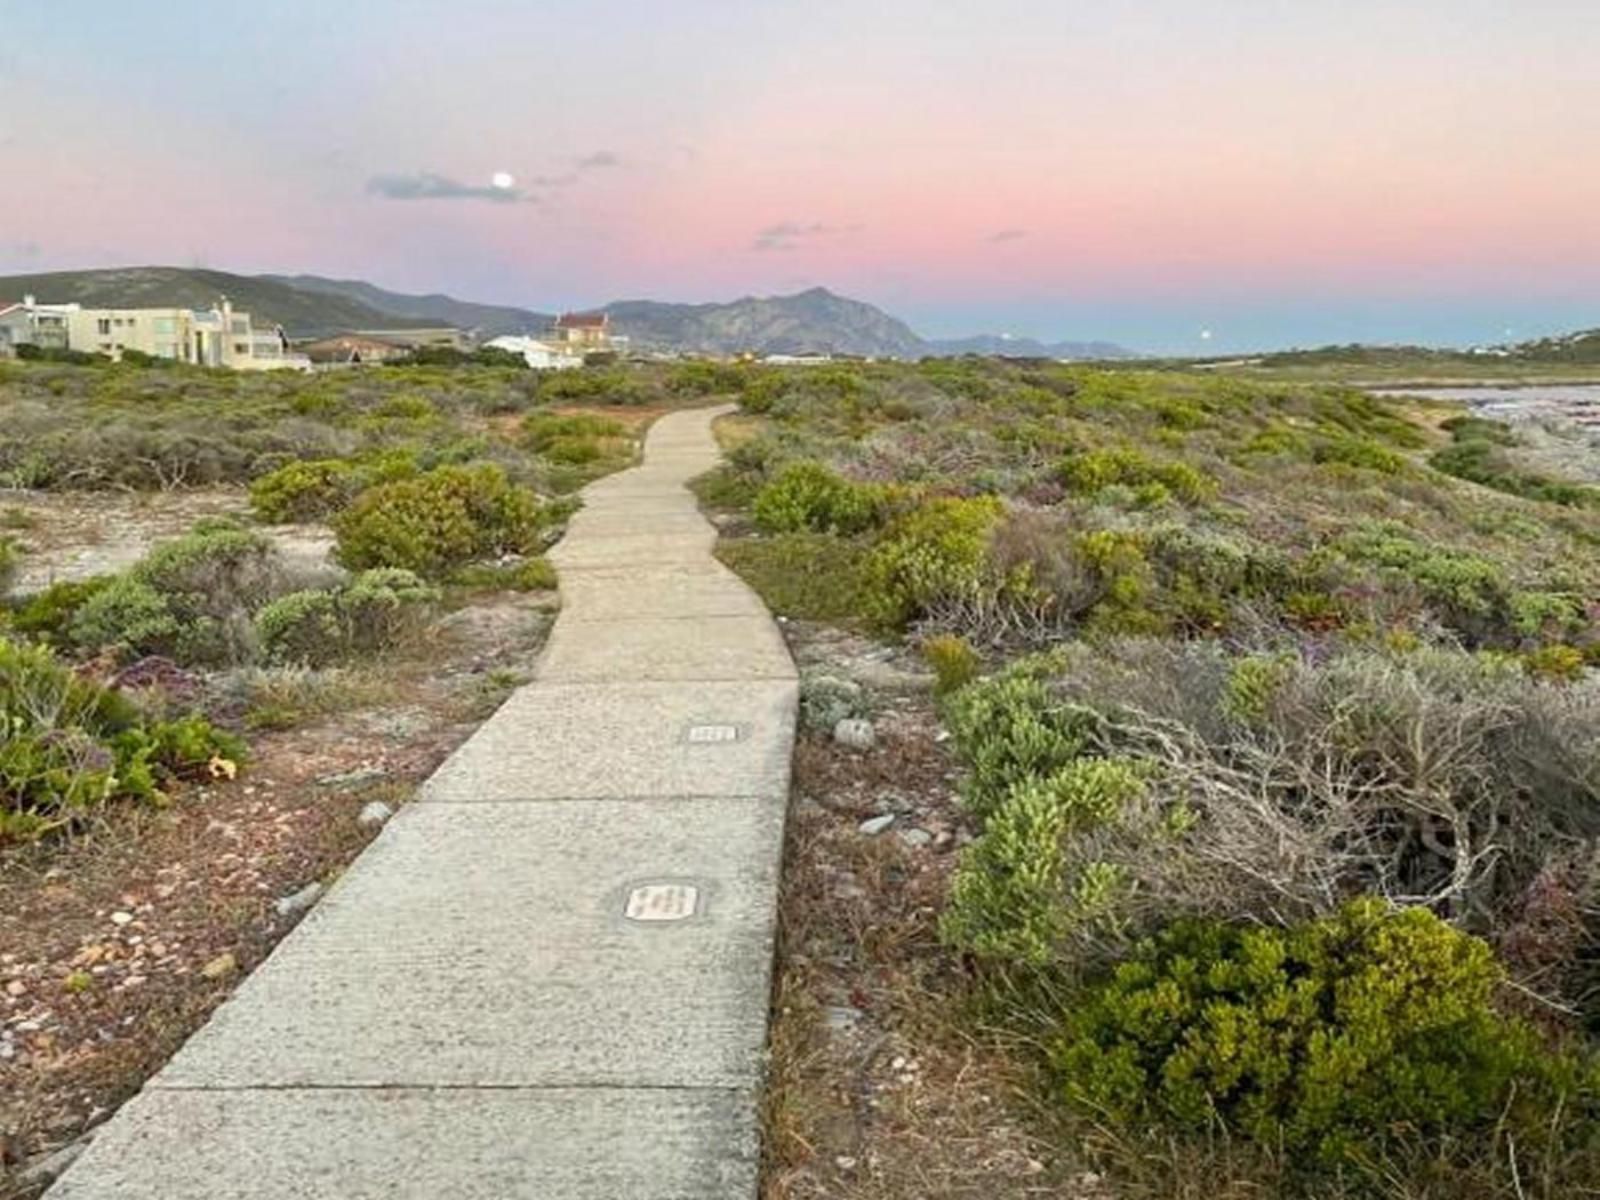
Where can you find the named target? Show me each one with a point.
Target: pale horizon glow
(1178, 175)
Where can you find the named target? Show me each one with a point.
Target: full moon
(504, 180)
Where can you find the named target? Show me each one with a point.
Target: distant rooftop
(589, 320)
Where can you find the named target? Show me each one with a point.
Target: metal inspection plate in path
(708, 734)
(654, 902)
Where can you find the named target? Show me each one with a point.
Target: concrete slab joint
(547, 978)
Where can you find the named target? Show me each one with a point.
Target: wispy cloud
(1007, 235)
(599, 160)
(789, 235)
(427, 186)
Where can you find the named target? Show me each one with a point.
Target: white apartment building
(216, 337)
(29, 323)
(541, 356)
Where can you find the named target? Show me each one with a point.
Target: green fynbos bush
(71, 745)
(305, 491)
(1009, 729)
(1339, 1032)
(48, 615)
(545, 430)
(128, 616)
(808, 496)
(437, 521)
(1151, 479)
(1012, 898)
(955, 663)
(936, 556)
(10, 556)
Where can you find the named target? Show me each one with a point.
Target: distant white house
(29, 323)
(541, 356)
(797, 360)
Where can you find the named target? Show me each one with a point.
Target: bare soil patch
(881, 1086)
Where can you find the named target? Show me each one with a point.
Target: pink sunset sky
(1272, 172)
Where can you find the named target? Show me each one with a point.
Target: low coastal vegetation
(437, 481)
(1277, 728)
(1272, 703)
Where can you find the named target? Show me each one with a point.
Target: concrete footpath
(547, 979)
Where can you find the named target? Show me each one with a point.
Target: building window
(241, 348)
(105, 326)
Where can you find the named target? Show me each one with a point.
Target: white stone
(353, 779)
(288, 906)
(855, 734)
(373, 813)
(873, 826)
(842, 1018)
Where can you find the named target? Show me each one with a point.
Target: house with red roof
(582, 331)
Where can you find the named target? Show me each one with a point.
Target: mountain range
(816, 321)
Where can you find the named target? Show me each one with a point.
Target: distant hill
(300, 312)
(811, 322)
(1582, 347)
(488, 320)
(1004, 345)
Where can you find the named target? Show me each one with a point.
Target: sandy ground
(74, 535)
(883, 1084)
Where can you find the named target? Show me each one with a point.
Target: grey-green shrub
(825, 700)
(372, 612)
(190, 598)
(128, 616)
(304, 628)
